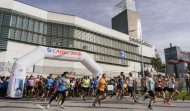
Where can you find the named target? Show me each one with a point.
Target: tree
(156, 62)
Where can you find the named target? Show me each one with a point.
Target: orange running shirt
(100, 86)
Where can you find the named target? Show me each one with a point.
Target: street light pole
(142, 66)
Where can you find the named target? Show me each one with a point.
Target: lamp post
(142, 66)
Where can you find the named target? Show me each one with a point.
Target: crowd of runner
(64, 86)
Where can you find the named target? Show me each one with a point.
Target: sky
(163, 21)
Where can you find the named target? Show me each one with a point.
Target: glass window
(40, 39)
(60, 31)
(36, 26)
(14, 20)
(25, 23)
(35, 38)
(18, 35)
(45, 28)
(6, 19)
(31, 25)
(12, 33)
(41, 30)
(19, 22)
(43, 40)
(30, 37)
(1, 18)
(24, 36)
(66, 31)
(71, 31)
(49, 29)
(4, 32)
(54, 30)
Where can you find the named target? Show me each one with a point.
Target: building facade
(176, 60)
(24, 27)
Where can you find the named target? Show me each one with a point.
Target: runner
(35, 85)
(166, 87)
(85, 83)
(144, 87)
(188, 94)
(48, 86)
(100, 91)
(39, 87)
(60, 89)
(119, 87)
(130, 87)
(150, 84)
(92, 86)
(31, 86)
(172, 92)
(159, 88)
(55, 85)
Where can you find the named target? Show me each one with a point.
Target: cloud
(163, 21)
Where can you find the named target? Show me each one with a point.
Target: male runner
(60, 89)
(150, 84)
(143, 82)
(100, 91)
(119, 87)
(189, 88)
(85, 84)
(48, 86)
(166, 87)
(130, 87)
(172, 92)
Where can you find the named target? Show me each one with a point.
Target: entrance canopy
(18, 72)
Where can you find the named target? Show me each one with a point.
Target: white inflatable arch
(18, 72)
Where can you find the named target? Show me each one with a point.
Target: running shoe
(47, 107)
(123, 99)
(145, 97)
(111, 98)
(169, 103)
(93, 105)
(136, 101)
(59, 102)
(183, 98)
(150, 108)
(61, 106)
(99, 103)
(165, 102)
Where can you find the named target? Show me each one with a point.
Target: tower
(127, 20)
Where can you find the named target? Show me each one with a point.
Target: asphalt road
(76, 104)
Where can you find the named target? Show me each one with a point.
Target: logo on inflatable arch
(49, 49)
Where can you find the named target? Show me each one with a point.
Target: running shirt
(171, 85)
(150, 83)
(91, 84)
(72, 85)
(130, 82)
(159, 83)
(48, 82)
(3, 84)
(40, 85)
(85, 83)
(120, 80)
(61, 87)
(100, 86)
(165, 83)
(36, 82)
(55, 83)
(96, 81)
(30, 82)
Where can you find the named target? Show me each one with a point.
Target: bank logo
(49, 49)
